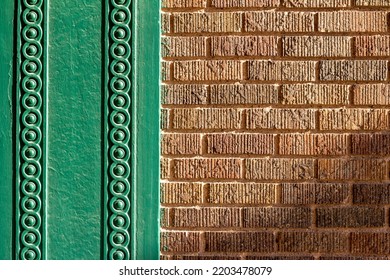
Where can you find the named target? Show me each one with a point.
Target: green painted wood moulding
(79, 129)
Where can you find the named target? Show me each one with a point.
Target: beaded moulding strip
(30, 129)
(118, 96)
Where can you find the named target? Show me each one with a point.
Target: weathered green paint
(146, 115)
(75, 129)
(6, 129)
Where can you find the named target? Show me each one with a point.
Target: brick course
(275, 121)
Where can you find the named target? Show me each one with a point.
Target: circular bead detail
(120, 50)
(119, 153)
(31, 204)
(30, 221)
(31, 118)
(120, 67)
(120, 33)
(120, 16)
(119, 238)
(31, 153)
(32, 50)
(31, 135)
(119, 170)
(31, 84)
(30, 169)
(120, 135)
(32, 33)
(119, 187)
(30, 187)
(30, 255)
(31, 101)
(119, 204)
(119, 118)
(32, 16)
(119, 222)
(119, 84)
(119, 101)
(30, 238)
(119, 255)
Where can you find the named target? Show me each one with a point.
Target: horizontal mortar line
(273, 156)
(273, 82)
(275, 9)
(244, 33)
(269, 130)
(308, 106)
(256, 229)
(314, 182)
(244, 59)
(199, 206)
(282, 181)
(282, 230)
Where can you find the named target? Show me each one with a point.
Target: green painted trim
(146, 132)
(7, 11)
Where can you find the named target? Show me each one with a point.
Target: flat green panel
(6, 133)
(75, 159)
(146, 114)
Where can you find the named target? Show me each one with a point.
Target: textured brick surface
(314, 193)
(316, 94)
(350, 217)
(279, 169)
(239, 241)
(243, 94)
(312, 242)
(207, 168)
(280, 119)
(257, 144)
(276, 217)
(239, 193)
(313, 144)
(275, 126)
(352, 169)
(265, 70)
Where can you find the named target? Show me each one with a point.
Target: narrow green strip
(146, 108)
(6, 133)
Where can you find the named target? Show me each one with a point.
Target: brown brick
(317, 94)
(280, 119)
(373, 45)
(314, 193)
(184, 94)
(180, 144)
(371, 144)
(267, 70)
(374, 94)
(183, 46)
(352, 21)
(377, 243)
(257, 144)
(207, 118)
(312, 242)
(181, 193)
(242, 193)
(164, 217)
(165, 70)
(276, 217)
(244, 94)
(271, 21)
(352, 169)
(239, 241)
(207, 168)
(207, 22)
(165, 23)
(244, 3)
(371, 193)
(199, 257)
(350, 217)
(164, 118)
(165, 168)
(183, 3)
(279, 169)
(311, 46)
(334, 258)
(384, 3)
(354, 119)
(216, 217)
(315, 3)
(201, 70)
(277, 258)
(244, 46)
(313, 144)
(180, 241)
(353, 70)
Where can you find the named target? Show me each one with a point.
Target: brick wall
(275, 120)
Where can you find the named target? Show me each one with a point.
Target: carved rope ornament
(30, 129)
(118, 67)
